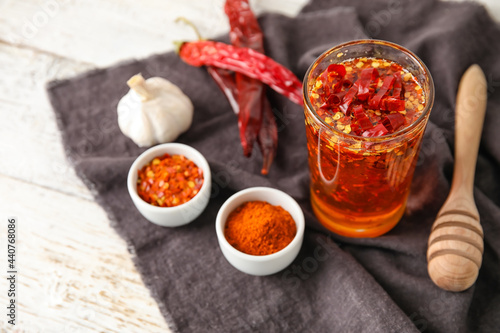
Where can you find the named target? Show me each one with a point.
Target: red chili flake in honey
(367, 97)
(169, 180)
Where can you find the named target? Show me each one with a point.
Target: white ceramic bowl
(267, 264)
(177, 215)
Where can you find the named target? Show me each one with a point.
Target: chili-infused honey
(365, 117)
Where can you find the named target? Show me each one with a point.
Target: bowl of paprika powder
(170, 184)
(260, 230)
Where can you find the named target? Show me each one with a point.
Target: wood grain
(75, 274)
(455, 249)
(29, 136)
(106, 31)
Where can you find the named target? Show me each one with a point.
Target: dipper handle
(455, 247)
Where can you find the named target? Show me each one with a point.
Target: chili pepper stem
(191, 24)
(177, 43)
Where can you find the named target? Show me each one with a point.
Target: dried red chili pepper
(378, 130)
(393, 121)
(361, 118)
(245, 32)
(250, 115)
(223, 77)
(246, 61)
(346, 84)
(397, 86)
(348, 99)
(386, 86)
(332, 81)
(339, 69)
(392, 104)
(225, 81)
(356, 128)
(267, 146)
(268, 136)
(368, 77)
(335, 99)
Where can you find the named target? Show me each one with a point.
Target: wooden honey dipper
(455, 248)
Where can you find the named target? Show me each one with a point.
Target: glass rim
(401, 132)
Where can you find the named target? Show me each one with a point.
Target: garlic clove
(154, 111)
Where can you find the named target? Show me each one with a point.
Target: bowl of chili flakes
(170, 184)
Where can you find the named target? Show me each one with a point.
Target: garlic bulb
(154, 111)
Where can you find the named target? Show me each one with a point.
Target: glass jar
(359, 185)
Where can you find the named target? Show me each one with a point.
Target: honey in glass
(360, 178)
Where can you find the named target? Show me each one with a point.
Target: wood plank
(30, 143)
(103, 32)
(75, 274)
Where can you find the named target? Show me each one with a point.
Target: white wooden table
(74, 273)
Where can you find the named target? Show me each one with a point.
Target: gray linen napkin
(336, 284)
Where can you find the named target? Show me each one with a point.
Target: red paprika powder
(259, 228)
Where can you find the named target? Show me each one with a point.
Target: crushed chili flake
(373, 96)
(169, 180)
